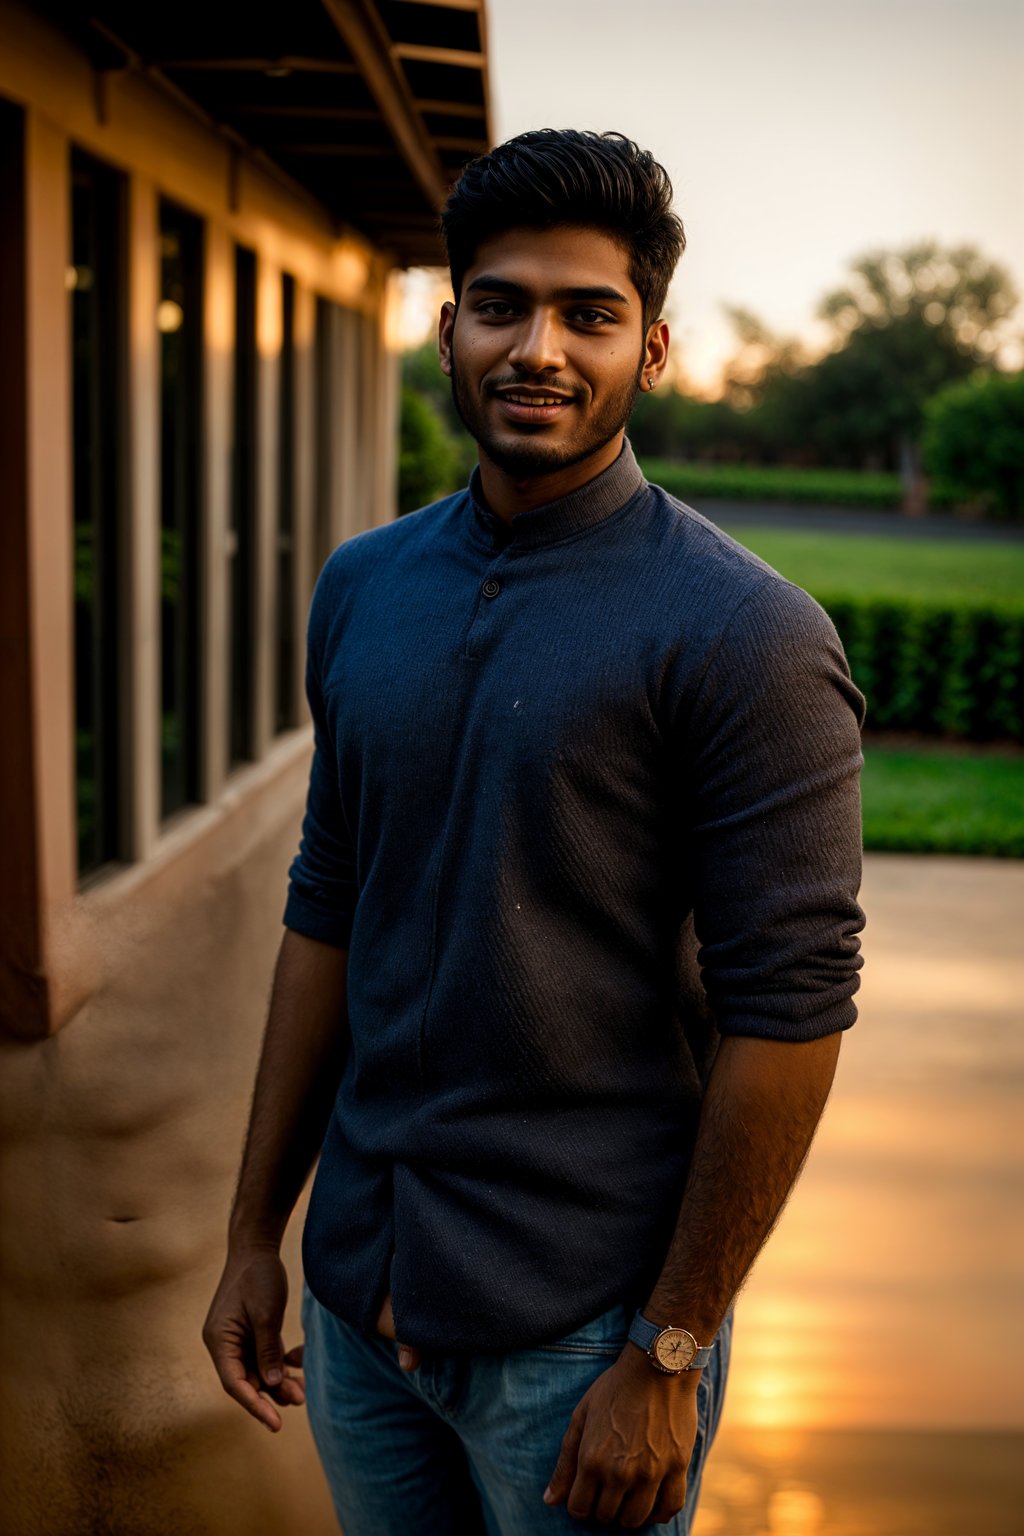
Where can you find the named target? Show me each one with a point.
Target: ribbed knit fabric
(582, 790)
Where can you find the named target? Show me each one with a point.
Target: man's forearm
(762, 1105)
(304, 1049)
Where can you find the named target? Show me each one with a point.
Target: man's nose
(537, 347)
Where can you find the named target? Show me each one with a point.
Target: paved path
(892, 1286)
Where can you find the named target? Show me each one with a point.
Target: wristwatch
(671, 1350)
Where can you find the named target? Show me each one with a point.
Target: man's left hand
(625, 1455)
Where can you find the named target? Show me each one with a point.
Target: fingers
(243, 1386)
(610, 1491)
(291, 1393)
(269, 1350)
(564, 1475)
(247, 1389)
(408, 1357)
(243, 1335)
(670, 1500)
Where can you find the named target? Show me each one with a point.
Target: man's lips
(532, 405)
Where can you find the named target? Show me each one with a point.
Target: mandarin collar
(581, 509)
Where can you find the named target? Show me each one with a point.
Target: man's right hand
(243, 1334)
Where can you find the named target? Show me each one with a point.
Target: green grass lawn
(942, 800)
(925, 798)
(890, 566)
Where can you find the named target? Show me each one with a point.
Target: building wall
(132, 1002)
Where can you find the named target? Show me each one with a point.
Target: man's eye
(499, 308)
(592, 316)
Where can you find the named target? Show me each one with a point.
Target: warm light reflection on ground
(862, 1483)
(890, 1292)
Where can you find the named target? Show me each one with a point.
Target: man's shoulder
(729, 595)
(703, 549)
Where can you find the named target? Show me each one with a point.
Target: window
(242, 532)
(284, 715)
(180, 322)
(95, 281)
(323, 345)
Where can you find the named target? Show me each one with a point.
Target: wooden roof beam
(365, 38)
(452, 108)
(313, 114)
(289, 64)
(427, 53)
(448, 5)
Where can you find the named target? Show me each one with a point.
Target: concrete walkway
(891, 1289)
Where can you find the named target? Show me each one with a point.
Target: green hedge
(796, 487)
(739, 482)
(942, 668)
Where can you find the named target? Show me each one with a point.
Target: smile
(532, 410)
(535, 399)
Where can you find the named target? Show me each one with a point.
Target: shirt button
(491, 588)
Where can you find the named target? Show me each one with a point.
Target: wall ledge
(124, 905)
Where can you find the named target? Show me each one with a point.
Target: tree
(908, 323)
(762, 358)
(428, 459)
(974, 438)
(959, 295)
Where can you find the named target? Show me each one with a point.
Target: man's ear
(656, 351)
(445, 327)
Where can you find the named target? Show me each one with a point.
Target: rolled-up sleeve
(772, 759)
(321, 879)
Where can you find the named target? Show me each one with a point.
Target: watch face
(674, 1348)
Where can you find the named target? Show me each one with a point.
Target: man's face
(546, 349)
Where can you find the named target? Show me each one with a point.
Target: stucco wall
(119, 1145)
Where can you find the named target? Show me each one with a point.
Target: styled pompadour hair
(553, 176)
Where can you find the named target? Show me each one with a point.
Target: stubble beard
(530, 455)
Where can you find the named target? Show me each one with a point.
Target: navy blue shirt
(585, 792)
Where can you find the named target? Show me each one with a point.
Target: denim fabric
(465, 1444)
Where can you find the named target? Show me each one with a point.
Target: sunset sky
(798, 134)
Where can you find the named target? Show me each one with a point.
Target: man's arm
(767, 757)
(304, 1049)
(626, 1451)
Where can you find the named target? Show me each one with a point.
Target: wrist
(638, 1368)
(254, 1236)
(695, 1318)
(671, 1349)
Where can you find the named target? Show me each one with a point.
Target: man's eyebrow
(594, 294)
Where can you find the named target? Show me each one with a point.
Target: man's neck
(506, 494)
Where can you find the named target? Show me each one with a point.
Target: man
(572, 933)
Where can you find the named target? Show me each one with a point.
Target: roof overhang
(372, 107)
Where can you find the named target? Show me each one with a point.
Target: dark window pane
(241, 541)
(285, 711)
(180, 322)
(95, 279)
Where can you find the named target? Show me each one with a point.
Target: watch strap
(643, 1334)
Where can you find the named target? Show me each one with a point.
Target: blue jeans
(465, 1444)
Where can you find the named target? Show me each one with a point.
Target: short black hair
(554, 176)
